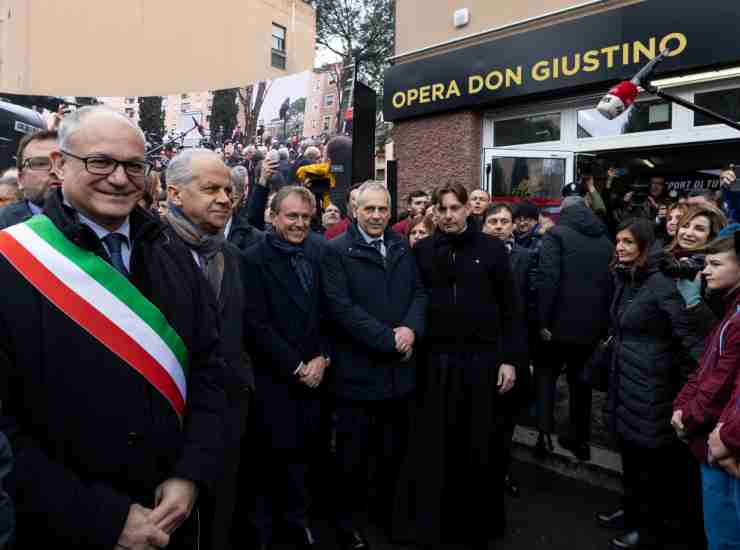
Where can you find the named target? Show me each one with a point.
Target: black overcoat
(90, 435)
(284, 328)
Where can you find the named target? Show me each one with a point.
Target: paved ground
(553, 512)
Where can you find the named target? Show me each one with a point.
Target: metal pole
(692, 106)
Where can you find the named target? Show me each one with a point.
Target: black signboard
(599, 48)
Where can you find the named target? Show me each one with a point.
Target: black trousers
(279, 493)
(217, 508)
(546, 375)
(365, 430)
(662, 492)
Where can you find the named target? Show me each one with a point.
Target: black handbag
(597, 369)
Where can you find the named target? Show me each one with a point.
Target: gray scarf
(208, 247)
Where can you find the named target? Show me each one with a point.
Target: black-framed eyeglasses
(37, 163)
(101, 165)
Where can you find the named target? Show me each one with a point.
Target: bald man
(112, 379)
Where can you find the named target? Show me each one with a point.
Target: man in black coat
(573, 299)
(35, 176)
(474, 343)
(377, 305)
(106, 455)
(290, 352)
(200, 191)
(498, 221)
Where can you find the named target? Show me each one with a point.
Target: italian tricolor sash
(102, 301)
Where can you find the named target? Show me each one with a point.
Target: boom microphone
(623, 95)
(199, 126)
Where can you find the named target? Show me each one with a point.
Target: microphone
(623, 95)
(199, 126)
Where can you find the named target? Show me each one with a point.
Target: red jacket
(337, 229)
(730, 344)
(708, 394)
(402, 227)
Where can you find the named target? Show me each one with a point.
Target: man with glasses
(110, 376)
(35, 176)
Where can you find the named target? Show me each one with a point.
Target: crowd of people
(201, 357)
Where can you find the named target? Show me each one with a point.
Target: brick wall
(433, 149)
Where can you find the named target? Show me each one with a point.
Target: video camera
(685, 268)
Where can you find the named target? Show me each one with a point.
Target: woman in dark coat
(655, 350)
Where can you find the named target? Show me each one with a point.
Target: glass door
(515, 175)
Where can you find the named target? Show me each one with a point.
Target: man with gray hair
(288, 344)
(200, 193)
(115, 409)
(377, 305)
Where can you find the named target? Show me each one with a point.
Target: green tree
(224, 111)
(357, 30)
(151, 118)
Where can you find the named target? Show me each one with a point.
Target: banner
(581, 54)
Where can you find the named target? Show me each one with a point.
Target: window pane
(644, 116)
(531, 129)
(526, 178)
(278, 60)
(722, 102)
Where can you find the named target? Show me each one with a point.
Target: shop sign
(595, 49)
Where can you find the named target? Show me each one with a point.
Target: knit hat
(527, 210)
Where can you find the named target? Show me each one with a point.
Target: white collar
(368, 238)
(101, 231)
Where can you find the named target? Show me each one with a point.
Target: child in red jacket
(711, 401)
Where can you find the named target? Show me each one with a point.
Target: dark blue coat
(284, 328)
(14, 213)
(367, 298)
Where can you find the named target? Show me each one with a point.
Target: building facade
(179, 46)
(505, 100)
(323, 102)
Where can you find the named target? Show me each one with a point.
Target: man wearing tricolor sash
(113, 383)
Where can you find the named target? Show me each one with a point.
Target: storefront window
(531, 129)
(536, 179)
(723, 102)
(644, 116)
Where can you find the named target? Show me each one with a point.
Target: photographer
(701, 402)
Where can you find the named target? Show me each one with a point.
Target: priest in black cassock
(452, 489)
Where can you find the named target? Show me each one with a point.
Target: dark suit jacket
(14, 213)
(284, 328)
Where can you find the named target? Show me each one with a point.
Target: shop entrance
(513, 175)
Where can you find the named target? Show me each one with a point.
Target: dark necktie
(114, 242)
(377, 245)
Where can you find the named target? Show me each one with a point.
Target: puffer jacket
(573, 280)
(656, 348)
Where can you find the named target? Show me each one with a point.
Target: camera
(685, 268)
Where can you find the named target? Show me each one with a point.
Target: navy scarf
(298, 260)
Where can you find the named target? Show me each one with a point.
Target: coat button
(133, 437)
